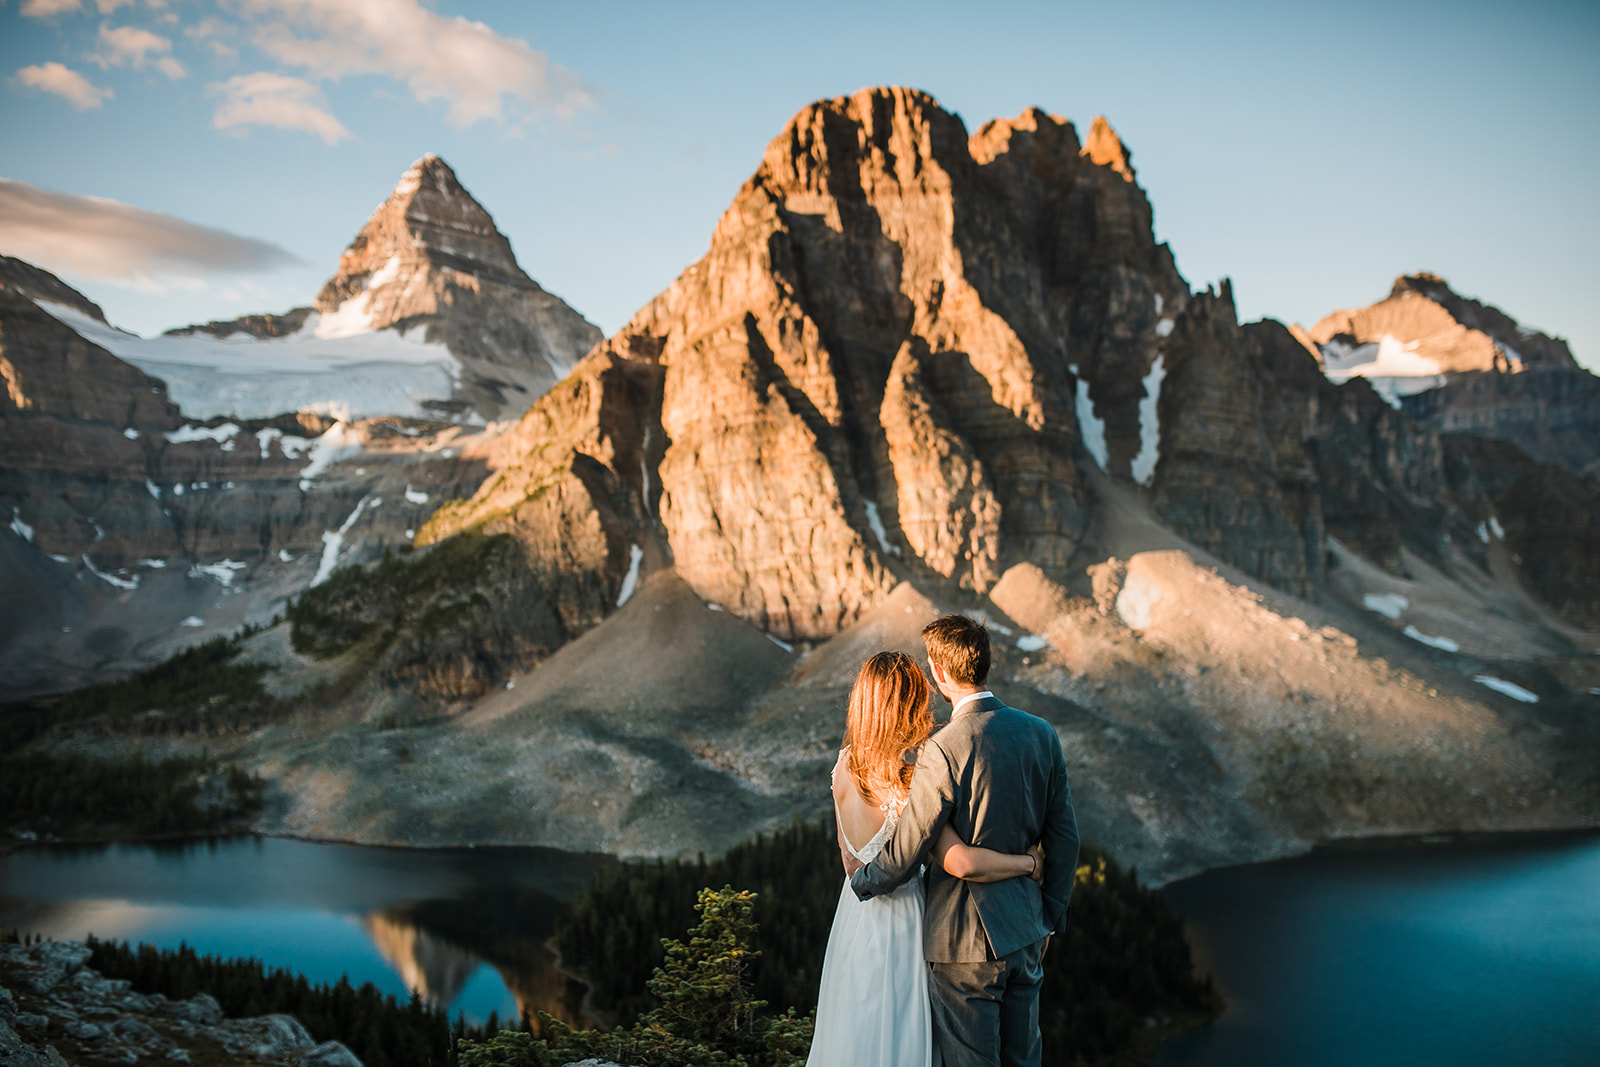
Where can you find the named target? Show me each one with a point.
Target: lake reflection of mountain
(437, 945)
(464, 927)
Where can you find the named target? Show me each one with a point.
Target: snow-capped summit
(427, 316)
(429, 223)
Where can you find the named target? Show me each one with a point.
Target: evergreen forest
(53, 793)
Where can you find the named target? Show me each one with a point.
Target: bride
(872, 1007)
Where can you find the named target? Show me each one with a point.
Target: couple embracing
(961, 867)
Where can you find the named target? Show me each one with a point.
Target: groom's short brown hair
(960, 645)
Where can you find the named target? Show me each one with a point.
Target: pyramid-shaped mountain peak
(429, 221)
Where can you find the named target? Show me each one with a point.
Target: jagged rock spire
(1105, 148)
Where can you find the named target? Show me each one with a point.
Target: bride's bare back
(859, 818)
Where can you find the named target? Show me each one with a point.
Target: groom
(998, 776)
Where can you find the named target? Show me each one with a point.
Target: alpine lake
(1423, 951)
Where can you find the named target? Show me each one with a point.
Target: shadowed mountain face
(920, 370)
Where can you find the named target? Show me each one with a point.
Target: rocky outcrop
(1547, 518)
(1464, 367)
(51, 1003)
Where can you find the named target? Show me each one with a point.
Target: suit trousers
(987, 1014)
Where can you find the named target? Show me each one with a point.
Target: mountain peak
(429, 221)
(1105, 148)
(430, 170)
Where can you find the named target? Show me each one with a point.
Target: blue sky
(1309, 152)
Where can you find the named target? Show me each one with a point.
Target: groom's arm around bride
(998, 777)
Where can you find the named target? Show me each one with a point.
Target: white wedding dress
(872, 1006)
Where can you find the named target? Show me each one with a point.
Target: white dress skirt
(872, 1006)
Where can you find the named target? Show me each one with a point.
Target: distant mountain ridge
(1461, 366)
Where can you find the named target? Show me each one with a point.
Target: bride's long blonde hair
(891, 713)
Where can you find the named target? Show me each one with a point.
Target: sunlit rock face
(1464, 367)
(878, 370)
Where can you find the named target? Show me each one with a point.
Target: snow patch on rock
(1441, 643)
(221, 572)
(1090, 426)
(631, 579)
(333, 541)
(20, 528)
(1510, 689)
(416, 496)
(221, 434)
(340, 441)
(110, 579)
(1144, 464)
(1389, 605)
(875, 520)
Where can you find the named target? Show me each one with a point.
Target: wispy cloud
(45, 9)
(266, 99)
(129, 46)
(64, 82)
(466, 64)
(106, 240)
